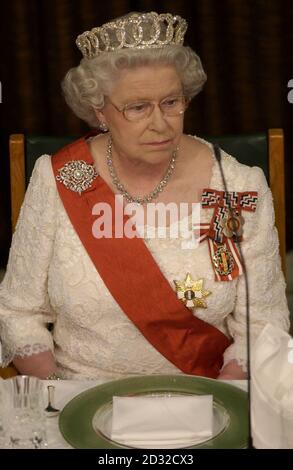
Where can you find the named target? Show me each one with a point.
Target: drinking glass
(3, 414)
(27, 423)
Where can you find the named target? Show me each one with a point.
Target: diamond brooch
(77, 175)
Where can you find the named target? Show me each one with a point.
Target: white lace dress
(50, 278)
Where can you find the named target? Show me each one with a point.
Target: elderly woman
(124, 302)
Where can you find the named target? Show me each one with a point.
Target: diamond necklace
(153, 194)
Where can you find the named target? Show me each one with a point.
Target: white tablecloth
(66, 390)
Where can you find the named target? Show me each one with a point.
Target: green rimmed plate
(85, 421)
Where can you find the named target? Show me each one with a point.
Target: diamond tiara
(136, 31)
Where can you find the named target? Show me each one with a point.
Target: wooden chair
(265, 150)
(7, 372)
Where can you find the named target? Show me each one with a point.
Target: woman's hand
(39, 365)
(232, 371)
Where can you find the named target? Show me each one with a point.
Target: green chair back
(249, 149)
(39, 145)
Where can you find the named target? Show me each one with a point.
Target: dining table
(66, 390)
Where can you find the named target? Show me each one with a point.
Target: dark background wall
(246, 48)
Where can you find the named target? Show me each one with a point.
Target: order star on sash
(191, 292)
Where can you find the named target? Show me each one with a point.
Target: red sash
(136, 282)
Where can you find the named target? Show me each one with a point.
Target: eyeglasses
(170, 106)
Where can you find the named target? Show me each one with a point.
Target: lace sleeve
(24, 303)
(266, 283)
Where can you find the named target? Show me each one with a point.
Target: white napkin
(272, 389)
(158, 421)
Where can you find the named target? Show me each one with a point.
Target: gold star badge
(191, 292)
